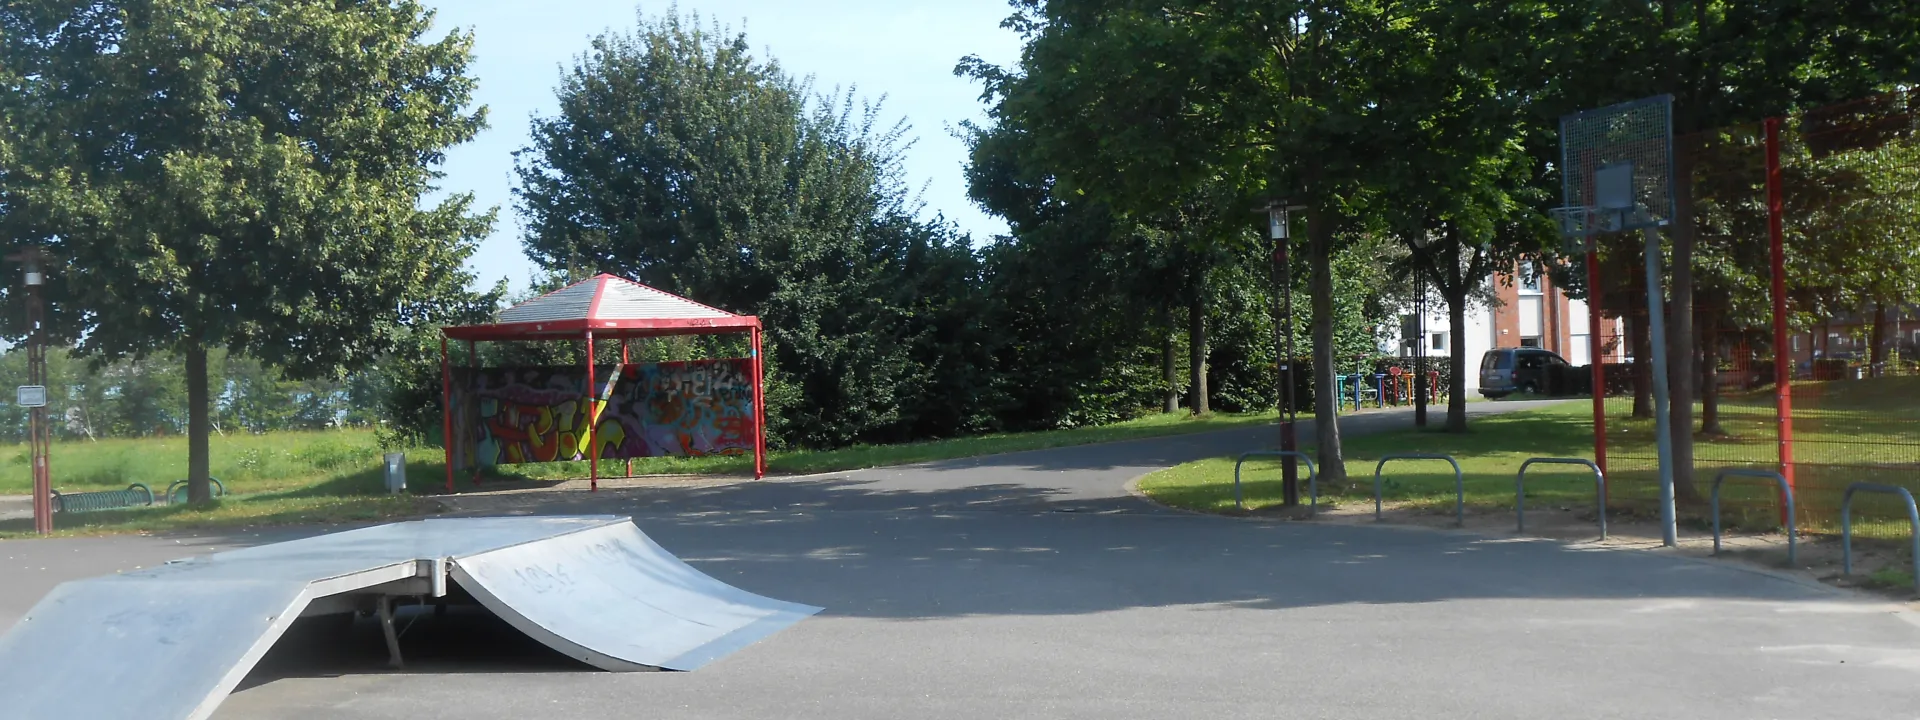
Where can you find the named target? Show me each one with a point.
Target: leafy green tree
(679, 159)
(247, 174)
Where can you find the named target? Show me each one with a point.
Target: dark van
(1505, 371)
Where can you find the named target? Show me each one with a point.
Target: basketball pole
(1657, 327)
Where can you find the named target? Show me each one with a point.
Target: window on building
(1532, 342)
(1440, 341)
(1529, 278)
(1796, 343)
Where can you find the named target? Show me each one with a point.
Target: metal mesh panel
(1635, 138)
(1851, 180)
(1850, 218)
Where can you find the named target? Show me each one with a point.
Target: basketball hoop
(1616, 164)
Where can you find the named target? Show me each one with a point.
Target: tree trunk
(1457, 350)
(1197, 345)
(1326, 423)
(199, 460)
(1710, 379)
(1877, 352)
(1170, 375)
(1642, 369)
(1681, 359)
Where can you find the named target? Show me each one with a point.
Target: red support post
(1782, 359)
(623, 363)
(1597, 357)
(446, 409)
(593, 422)
(759, 411)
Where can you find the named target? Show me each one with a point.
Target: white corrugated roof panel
(627, 300)
(567, 303)
(619, 300)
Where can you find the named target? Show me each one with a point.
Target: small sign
(31, 396)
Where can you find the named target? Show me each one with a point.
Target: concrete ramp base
(172, 641)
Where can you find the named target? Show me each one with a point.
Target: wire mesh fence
(1831, 300)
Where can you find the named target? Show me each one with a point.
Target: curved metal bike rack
(215, 487)
(1786, 491)
(1313, 487)
(1520, 489)
(1459, 483)
(1846, 524)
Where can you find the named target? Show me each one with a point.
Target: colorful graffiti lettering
(505, 416)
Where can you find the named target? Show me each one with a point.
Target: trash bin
(396, 473)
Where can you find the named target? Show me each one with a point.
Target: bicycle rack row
(1600, 491)
(1313, 487)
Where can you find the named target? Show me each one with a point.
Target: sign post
(39, 431)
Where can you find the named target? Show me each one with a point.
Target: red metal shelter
(606, 308)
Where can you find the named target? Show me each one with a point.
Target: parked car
(1505, 371)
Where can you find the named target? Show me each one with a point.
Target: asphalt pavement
(1033, 585)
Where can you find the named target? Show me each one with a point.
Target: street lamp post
(34, 394)
(1279, 229)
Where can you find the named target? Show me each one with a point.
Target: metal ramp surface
(172, 641)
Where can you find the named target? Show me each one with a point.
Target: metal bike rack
(1846, 524)
(1520, 489)
(214, 487)
(1459, 483)
(1313, 487)
(1786, 491)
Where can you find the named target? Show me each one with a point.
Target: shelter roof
(609, 307)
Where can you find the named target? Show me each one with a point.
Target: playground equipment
(170, 642)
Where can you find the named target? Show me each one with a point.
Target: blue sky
(902, 50)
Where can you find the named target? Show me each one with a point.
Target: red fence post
(593, 422)
(759, 408)
(1782, 359)
(446, 410)
(623, 369)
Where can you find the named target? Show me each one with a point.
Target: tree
(679, 159)
(1137, 104)
(247, 174)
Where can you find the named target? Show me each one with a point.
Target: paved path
(958, 590)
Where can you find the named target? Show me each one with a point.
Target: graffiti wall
(510, 415)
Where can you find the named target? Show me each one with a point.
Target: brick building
(1527, 310)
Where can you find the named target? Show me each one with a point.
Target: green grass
(1488, 456)
(802, 462)
(244, 462)
(1847, 424)
(335, 476)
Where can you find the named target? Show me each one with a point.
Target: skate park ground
(1034, 585)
